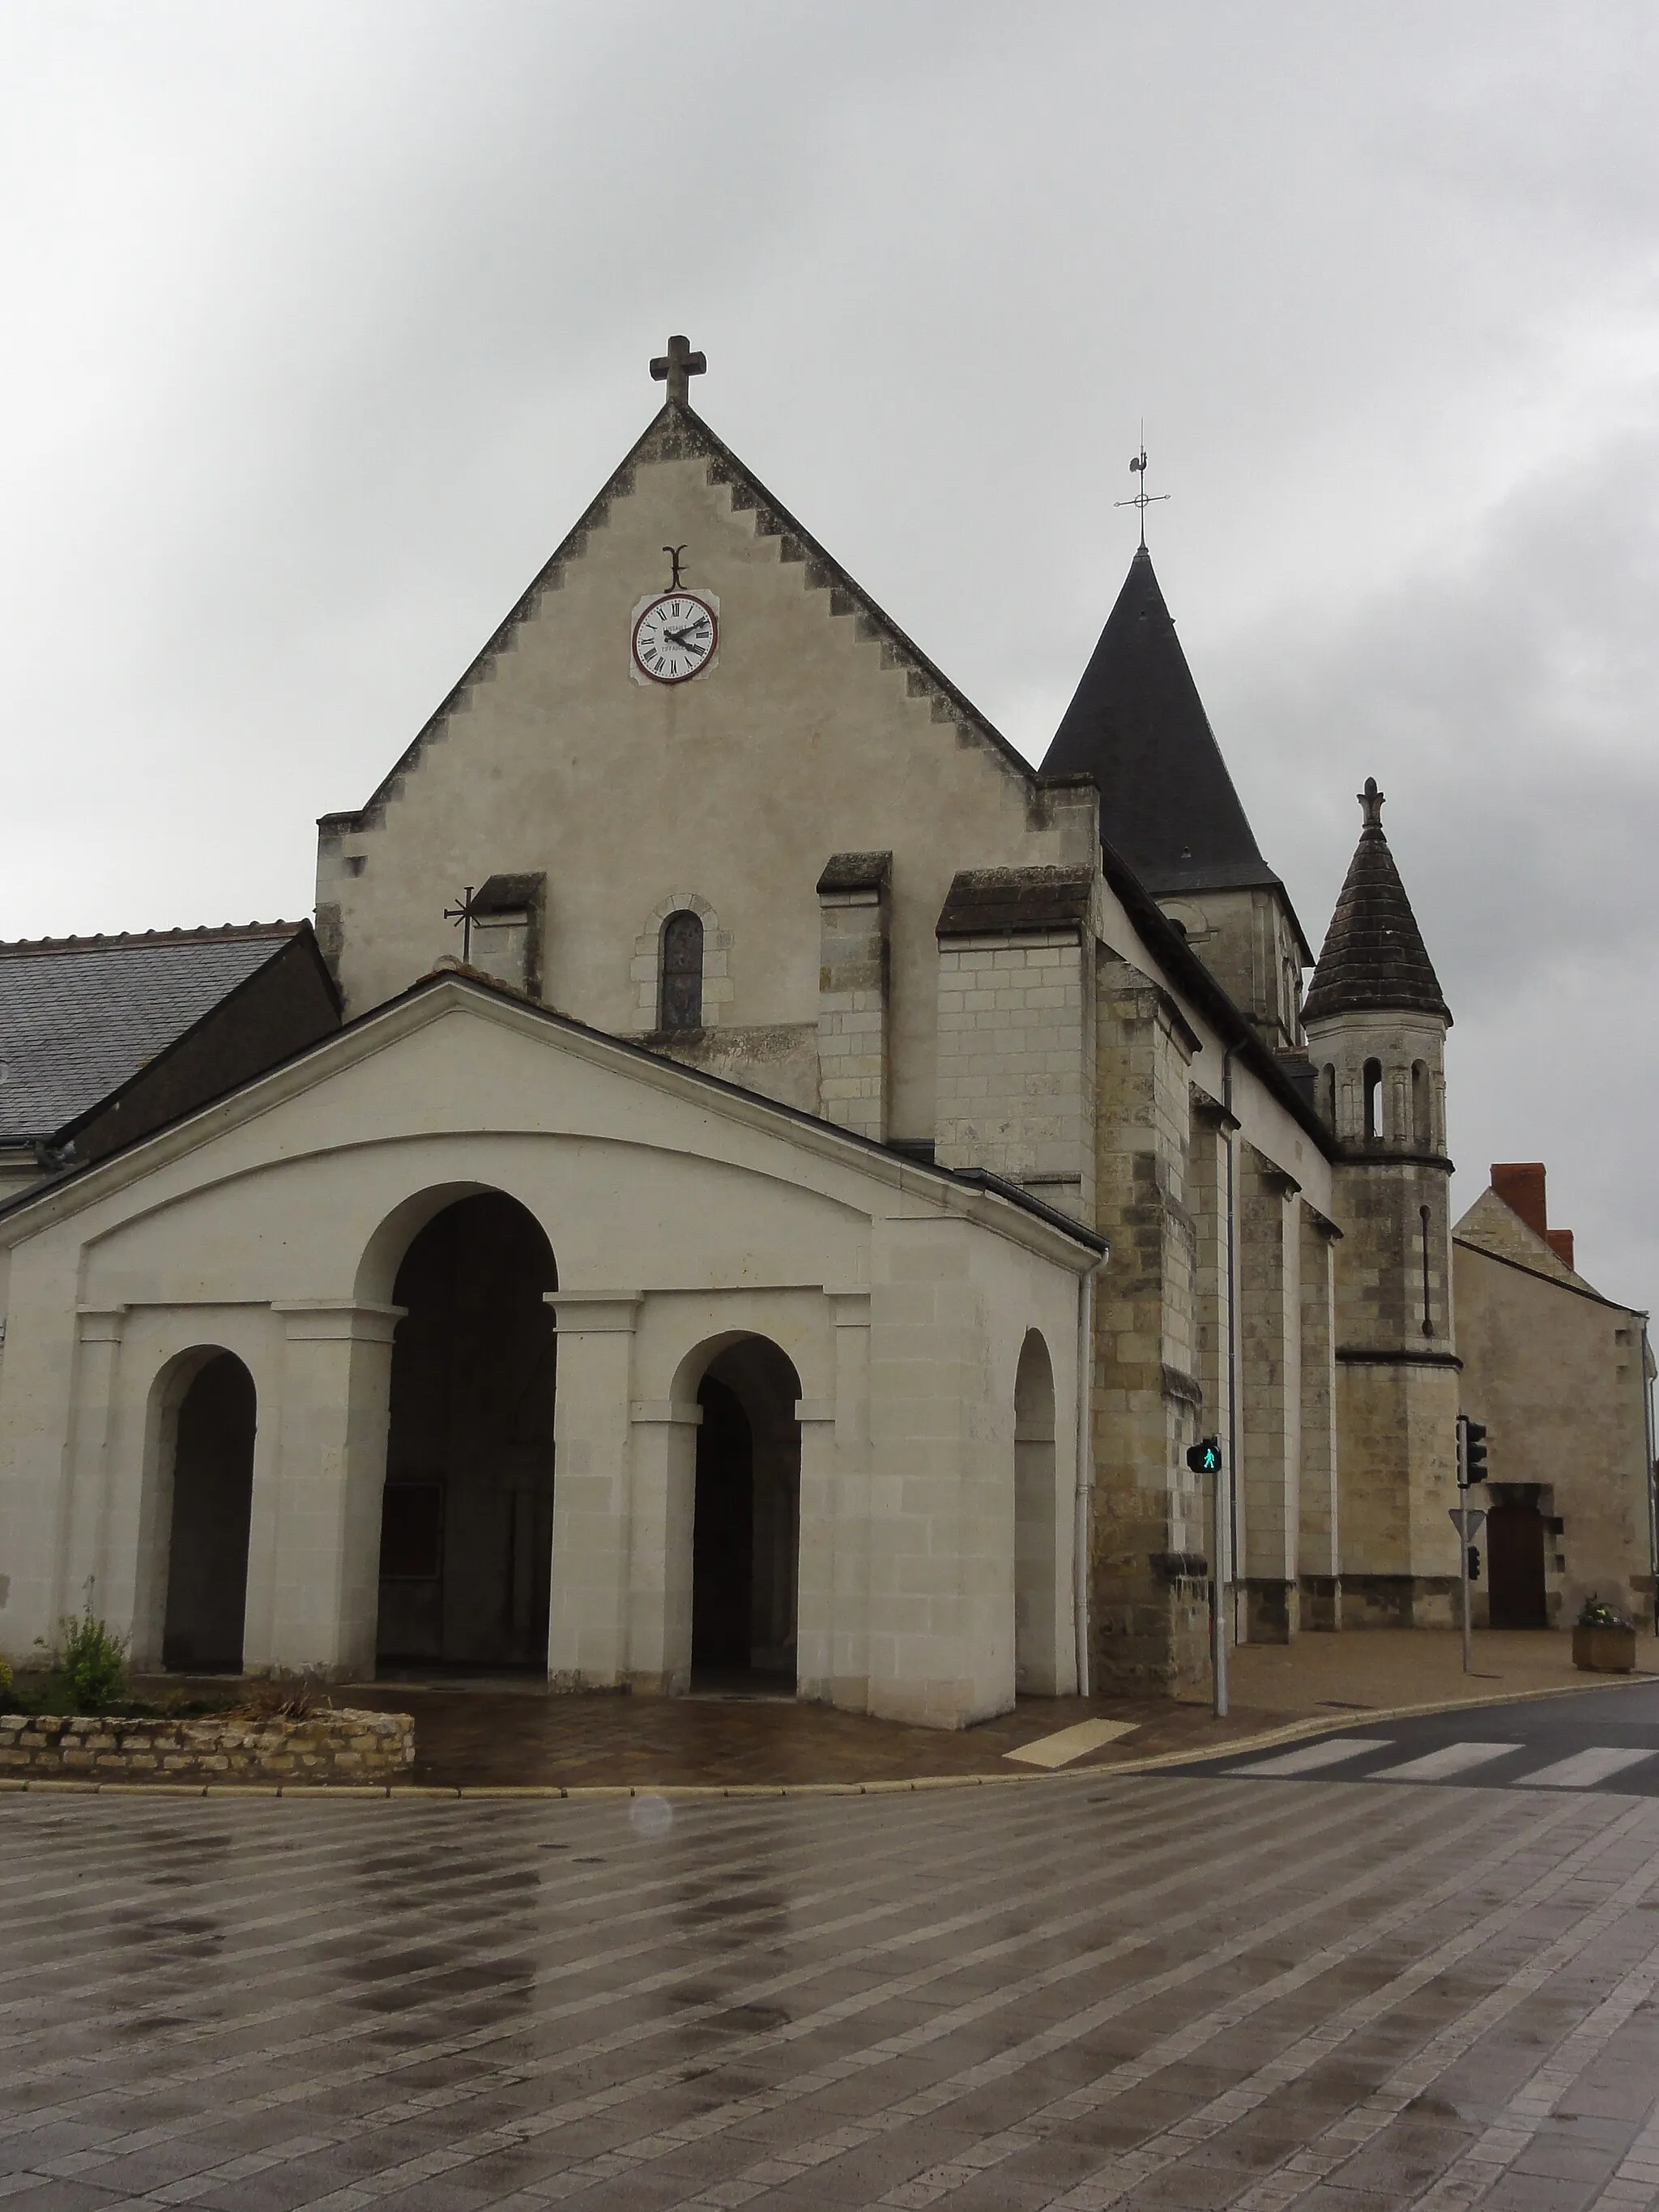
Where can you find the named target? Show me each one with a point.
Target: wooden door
(1515, 1555)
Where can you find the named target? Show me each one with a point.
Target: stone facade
(1561, 1377)
(952, 1077)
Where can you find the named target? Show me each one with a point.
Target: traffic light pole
(1220, 1585)
(1463, 1547)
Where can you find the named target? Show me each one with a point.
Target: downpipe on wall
(1086, 1369)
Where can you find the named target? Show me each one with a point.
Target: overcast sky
(324, 322)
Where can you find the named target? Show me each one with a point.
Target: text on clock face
(674, 637)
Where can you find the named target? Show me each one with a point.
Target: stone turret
(1377, 1021)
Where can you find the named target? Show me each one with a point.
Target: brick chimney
(1520, 1184)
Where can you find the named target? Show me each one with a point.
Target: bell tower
(1376, 1022)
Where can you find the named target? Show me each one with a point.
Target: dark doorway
(723, 1532)
(212, 1501)
(746, 1532)
(1514, 1553)
(466, 1525)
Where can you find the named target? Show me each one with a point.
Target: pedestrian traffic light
(1474, 1451)
(1204, 1456)
(1474, 1563)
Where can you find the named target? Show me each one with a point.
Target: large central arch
(466, 1527)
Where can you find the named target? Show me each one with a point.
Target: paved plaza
(1160, 1989)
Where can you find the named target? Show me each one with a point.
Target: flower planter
(1604, 1650)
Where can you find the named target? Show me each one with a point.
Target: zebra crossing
(1508, 1764)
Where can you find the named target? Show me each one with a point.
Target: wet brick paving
(1150, 1991)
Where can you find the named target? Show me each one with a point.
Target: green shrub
(5, 1676)
(90, 1660)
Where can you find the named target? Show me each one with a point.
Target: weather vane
(464, 916)
(1143, 498)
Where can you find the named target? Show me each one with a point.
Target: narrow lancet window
(680, 1006)
(1372, 1079)
(1422, 1132)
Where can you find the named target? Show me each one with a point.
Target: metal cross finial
(1370, 804)
(464, 916)
(677, 366)
(1143, 499)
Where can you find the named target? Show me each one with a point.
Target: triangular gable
(1491, 1227)
(984, 1197)
(678, 433)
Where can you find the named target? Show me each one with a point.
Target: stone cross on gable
(677, 366)
(1370, 804)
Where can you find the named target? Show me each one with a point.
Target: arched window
(680, 999)
(1328, 1094)
(1422, 1134)
(1372, 1080)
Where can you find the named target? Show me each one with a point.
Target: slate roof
(1374, 956)
(80, 1015)
(1136, 726)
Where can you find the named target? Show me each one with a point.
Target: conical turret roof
(1374, 956)
(1138, 728)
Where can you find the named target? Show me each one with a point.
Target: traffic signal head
(1204, 1456)
(1474, 1451)
(1474, 1563)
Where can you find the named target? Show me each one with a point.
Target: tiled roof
(1374, 956)
(80, 1015)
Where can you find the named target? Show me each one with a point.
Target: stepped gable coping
(677, 432)
(856, 871)
(989, 902)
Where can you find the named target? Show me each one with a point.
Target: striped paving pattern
(1157, 1990)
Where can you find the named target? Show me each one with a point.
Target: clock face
(674, 637)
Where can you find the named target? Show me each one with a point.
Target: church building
(745, 1177)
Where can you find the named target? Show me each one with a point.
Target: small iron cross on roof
(677, 366)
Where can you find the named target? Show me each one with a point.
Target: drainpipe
(1650, 1472)
(1226, 1526)
(1085, 1368)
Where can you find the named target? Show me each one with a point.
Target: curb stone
(1261, 1740)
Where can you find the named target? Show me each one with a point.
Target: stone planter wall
(1604, 1650)
(338, 1746)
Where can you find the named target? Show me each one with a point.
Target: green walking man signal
(1204, 1456)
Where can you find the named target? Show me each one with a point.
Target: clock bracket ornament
(673, 632)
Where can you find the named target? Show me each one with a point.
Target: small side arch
(1036, 1524)
(204, 1418)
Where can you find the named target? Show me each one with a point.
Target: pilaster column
(833, 1616)
(664, 1493)
(1271, 1379)
(1319, 1556)
(99, 1331)
(588, 1609)
(336, 1396)
(853, 964)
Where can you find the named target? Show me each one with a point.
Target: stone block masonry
(342, 1746)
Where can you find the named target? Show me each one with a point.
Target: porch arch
(466, 1518)
(209, 1413)
(1036, 1523)
(745, 1517)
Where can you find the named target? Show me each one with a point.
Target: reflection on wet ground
(1180, 1991)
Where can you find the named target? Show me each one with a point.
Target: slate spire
(1374, 956)
(1138, 728)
